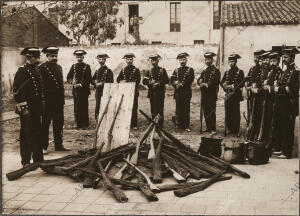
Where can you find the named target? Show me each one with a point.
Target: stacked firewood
(140, 166)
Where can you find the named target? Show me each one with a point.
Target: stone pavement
(272, 190)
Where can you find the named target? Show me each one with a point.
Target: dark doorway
(133, 18)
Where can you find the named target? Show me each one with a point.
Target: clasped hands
(98, 84)
(77, 85)
(178, 85)
(154, 84)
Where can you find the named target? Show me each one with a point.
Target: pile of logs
(140, 166)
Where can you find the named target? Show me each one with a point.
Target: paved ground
(272, 189)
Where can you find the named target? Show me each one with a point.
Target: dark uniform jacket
(103, 74)
(185, 75)
(80, 73)
(28, 87)
(234, 76)
(290, 79)
(273, 75)
(160, 76)
(254, 75)
(211, 75)
(53, 82)
(263, 75)
(131, 74)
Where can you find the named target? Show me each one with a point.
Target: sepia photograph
(150, 107)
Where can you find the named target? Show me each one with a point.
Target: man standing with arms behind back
(55, 99)
(209, 81)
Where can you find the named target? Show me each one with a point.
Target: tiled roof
(261, 13)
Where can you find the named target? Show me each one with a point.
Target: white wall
(245, 40)
(11, 59)
(196, 23)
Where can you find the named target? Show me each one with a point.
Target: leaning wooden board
(122, 125)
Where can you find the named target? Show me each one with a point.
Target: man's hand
(43, 104)
(77, 85)
(254, 90)
(178, 86)
(98, 84)
(266, 87)
(176, 82)
(203, 85)
(155, 85)
(123, 81)
(152, 82)
(276, 89)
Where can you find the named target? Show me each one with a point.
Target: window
(198, 41)
(174, 16)
(217, 14)
(156, 42)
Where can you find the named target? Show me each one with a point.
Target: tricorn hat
(182, 55)
(129, 55)
(234, 57)
(50, 50)
(274, 55)
(79, 52)
(258, 52)
(31, 52)
(209, 55)
(265, 54)
(291, 51)
(103, 55)
(155, 56)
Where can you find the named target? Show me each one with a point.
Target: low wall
(11, 59)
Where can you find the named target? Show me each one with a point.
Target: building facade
(168, 22)
(250, 26)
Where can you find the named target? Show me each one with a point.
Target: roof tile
(261, 13)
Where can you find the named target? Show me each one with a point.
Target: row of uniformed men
(273, 100)
(266, 84)
(41, 90)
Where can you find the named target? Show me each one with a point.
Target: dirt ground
(79, 139)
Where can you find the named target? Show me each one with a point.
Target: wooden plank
(122, 125)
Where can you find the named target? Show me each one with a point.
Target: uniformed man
(258, 97)
(252, 75)
(232, 83)
(182, 79)
(80, 76)
(130, 73)
(28, 92)
(156, 78)
(268, 97)
(55, 99)
(287, 103)
(209, 81)
(102, 75)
